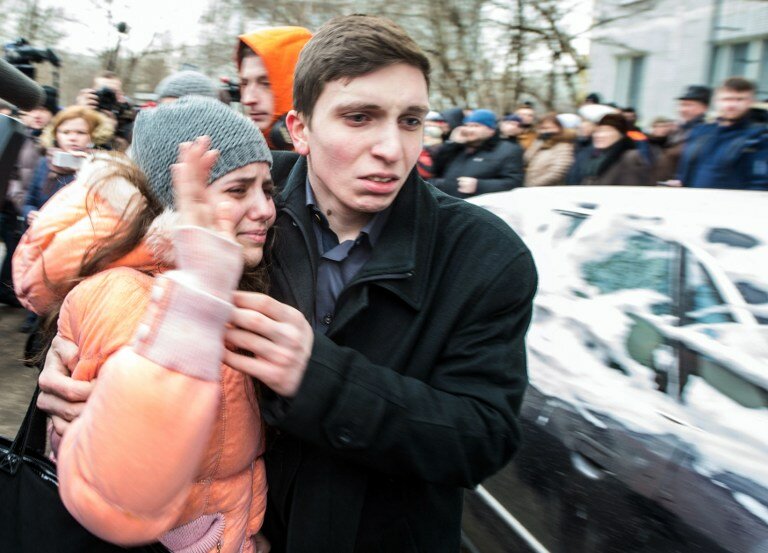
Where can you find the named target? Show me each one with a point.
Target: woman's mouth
(255, 236)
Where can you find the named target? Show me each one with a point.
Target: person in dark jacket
(733, 151)
(476, 160)
(612, 158)
(11, 220)
(510, 127)
(405, 386)
(692, 107)
(454, 117)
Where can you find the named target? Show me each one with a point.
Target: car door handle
(587, 466)
(672, 418)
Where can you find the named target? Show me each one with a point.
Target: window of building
(629, 80)
(762, 81)
(747, 59)
(740, 58)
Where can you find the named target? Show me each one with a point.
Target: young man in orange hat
(265, 63)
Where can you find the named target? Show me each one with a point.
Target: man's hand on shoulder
(61, 396)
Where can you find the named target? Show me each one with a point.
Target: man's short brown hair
(351, 46)
(739, 84)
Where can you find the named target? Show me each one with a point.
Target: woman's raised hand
(191, 174)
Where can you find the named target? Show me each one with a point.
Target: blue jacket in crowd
(44, 184)
(734, 156)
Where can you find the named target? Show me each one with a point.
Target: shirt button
(345, 436)
(327, 319)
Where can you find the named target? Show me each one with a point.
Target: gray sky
(145, 17)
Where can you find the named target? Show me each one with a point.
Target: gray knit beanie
(158, 132)
(186, 83)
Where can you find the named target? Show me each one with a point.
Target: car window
(567, 222)
(757, 298)
(643, 262)
(729, 383)
(703, 302)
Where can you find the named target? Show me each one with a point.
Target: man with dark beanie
(692, 106)
(475, 160)
(612, 158)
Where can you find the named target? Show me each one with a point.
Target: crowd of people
(469, 152)
(266, 330)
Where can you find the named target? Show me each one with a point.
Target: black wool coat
(414, 392)
(496, 164)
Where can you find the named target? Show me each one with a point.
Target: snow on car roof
(728, 225)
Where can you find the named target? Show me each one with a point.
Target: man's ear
(295, 124)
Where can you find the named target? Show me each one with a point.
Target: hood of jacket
(278, 48)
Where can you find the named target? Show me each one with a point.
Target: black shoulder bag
(32, 517)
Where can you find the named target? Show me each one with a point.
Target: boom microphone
(18, 89)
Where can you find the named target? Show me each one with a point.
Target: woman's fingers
(276, 335)
(190, 176)
(224, 222)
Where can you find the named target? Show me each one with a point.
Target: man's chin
(261, 122)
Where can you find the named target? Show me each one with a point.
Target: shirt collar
(372, 228)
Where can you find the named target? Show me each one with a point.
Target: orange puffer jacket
(156, 454)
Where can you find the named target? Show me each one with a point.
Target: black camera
(22, 55)
(108, 100)
(231, 88)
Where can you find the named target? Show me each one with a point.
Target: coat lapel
(296, 258)
(400, 260)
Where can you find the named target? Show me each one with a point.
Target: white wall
(674, 37)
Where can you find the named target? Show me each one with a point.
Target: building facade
(645, 52)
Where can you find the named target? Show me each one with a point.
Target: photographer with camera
(107, 97)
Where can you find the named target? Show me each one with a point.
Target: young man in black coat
(391, 353)
(475, 160)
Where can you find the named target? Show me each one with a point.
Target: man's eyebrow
(365, 106)
(417, 110)
(358, 106)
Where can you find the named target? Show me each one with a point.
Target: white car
(646, 420)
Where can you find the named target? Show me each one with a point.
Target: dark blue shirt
(339, 262)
